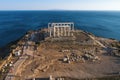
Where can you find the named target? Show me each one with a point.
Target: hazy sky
(59, 4)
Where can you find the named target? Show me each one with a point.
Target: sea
(14, 24)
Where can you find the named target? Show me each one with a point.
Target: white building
(60, 29)
(18, 53)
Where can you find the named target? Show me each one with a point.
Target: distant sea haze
(14, 24)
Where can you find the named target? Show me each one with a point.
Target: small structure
(17, 53)
(60, 29)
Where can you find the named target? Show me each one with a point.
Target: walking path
(16, 66)
(97, 41)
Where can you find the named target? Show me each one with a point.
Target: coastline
(13, 43)
(6, 49)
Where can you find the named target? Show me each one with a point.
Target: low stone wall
(5, 61)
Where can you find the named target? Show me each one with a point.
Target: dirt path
(16, 66)
(97, 41)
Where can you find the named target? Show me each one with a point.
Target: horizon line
(55, 10)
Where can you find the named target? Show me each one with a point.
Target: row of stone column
(62, 31)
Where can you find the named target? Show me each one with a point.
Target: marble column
(65, 30)
(58, 31)
(54, 31)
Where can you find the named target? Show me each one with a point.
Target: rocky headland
(81, 56)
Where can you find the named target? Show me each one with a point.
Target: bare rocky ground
(80, 56)
(50, 65)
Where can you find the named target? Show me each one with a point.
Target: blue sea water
(14, 24)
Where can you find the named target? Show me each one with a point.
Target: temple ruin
(61, 29)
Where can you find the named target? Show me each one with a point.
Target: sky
(59, 4)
